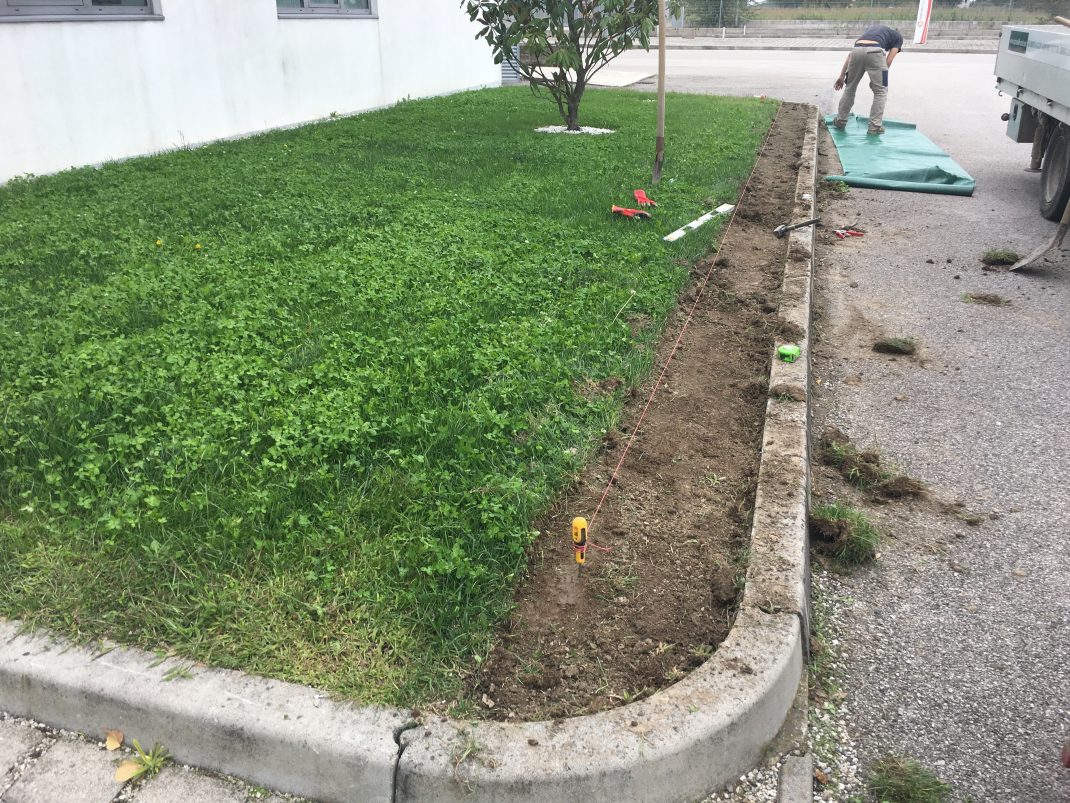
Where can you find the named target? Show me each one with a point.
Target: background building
(88, 81)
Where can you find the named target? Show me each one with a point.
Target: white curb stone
(284, 736)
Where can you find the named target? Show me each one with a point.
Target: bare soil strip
(677, 519)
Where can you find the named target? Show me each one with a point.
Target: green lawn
(290, 404)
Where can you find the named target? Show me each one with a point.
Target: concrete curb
(677, 745)
(778, 572)
(281, 735)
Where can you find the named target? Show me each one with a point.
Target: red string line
(679, 337)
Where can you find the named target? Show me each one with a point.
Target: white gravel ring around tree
(560, 129)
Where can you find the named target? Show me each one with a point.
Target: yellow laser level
(579, 539)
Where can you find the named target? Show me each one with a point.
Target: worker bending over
(873, 54)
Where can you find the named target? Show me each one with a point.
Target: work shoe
(875, 131)
(839, 125)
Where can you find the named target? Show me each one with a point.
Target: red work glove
(639, 213)
(640, 196)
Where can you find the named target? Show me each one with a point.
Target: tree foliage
(566, 41)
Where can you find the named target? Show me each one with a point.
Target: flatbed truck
(1033, 68)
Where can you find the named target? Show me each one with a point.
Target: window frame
(76, 11)
(308, 11)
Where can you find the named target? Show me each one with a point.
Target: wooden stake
(659, 141)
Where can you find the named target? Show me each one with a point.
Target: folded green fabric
(902, 158)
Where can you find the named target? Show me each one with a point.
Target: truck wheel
(1055, 174)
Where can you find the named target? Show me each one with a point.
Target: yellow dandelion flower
(159, 243)
(197, 247)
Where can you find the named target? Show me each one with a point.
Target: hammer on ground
(783, 229)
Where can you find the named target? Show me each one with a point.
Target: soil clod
(788, 391)
(896, 345)
(789, 331)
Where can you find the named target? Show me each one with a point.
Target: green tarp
(902, 158)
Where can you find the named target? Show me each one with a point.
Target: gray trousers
(871, 61)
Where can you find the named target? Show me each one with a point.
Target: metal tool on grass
(783, 229)
(1055, 242)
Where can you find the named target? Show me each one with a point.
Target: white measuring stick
(694, 224)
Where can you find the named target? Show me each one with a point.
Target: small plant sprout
(180, 672)
(702, 651)
(143, 764)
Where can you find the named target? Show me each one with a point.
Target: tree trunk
(572, 117)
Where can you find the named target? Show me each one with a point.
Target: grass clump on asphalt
(864, 469)
(844, 534)
(992, 299)
(896, 345)
(290, 403)
(1000, 256)
(897, 779)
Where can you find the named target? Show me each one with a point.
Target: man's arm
(843, 74)
(892, 54)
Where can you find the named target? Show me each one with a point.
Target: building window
(326, 8)
(52, 10)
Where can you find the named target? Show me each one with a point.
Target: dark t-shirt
(886, 37)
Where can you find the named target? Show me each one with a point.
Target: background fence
(736, 13)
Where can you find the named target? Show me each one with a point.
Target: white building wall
(77, 93)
